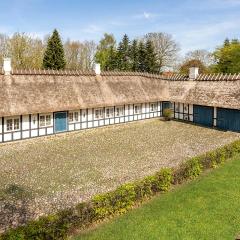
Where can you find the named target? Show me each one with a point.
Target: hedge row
(102, 206)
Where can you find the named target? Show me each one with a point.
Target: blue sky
(193, 24)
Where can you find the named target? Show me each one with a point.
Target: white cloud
(145, 15)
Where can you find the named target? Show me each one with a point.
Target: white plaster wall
(90, 114)
(25, 122)
(0, 125)
(7, 137)
(34, 121)
(16, 135)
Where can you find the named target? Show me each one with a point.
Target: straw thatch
(25, 92)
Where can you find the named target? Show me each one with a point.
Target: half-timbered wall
(34, 125)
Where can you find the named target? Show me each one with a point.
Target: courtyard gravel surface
(40, 176)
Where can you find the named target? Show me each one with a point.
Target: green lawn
(207, 208)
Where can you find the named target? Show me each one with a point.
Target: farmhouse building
(42, 102)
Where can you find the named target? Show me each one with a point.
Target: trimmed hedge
(102, 206)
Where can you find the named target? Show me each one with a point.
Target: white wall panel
(34, 121)
(25, 122)
(16, 135)
(42, 132)
(34, 133)
(25, 134)
(7, 137)
(0, 126)
(50, 130)
(71, 127)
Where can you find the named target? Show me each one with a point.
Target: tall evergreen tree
(54, 55)
(141, 57)
(123, 54)
(134, 55)
(151, 65)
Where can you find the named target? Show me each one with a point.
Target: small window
(109, 112)
(45, 120)
(13, 124)
(153, 107)
(70, 117)
(119, 111)
(99, 113)
(137, 109)
(73, 117)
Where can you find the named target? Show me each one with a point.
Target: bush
(119, 201)
(187, 170)
(167, 114)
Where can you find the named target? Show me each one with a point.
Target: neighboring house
(37, 103)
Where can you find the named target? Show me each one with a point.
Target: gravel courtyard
(41, 175)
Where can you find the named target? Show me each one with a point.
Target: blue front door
(60, 122)
(228, 119)
(203, 115)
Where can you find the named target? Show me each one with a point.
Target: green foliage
(151, 65)
(105, 54)
(167, 113)
(188, 170)
(119, 201)
(134, 55)
(123, 54)
(228, 57)
(184, 69)
(54, 54)
(141, 57)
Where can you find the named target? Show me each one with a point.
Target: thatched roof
(25, 92)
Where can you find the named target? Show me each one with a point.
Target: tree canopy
(104, 50)
(228, 57)
(184, 69)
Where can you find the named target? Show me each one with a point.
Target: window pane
(16, 124)
(76, 116)
(96, 114)
(107, 112)
(48, 120)
(42, 121)
(9, 124)
(70, 117)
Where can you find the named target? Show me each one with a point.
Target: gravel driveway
(41, 175)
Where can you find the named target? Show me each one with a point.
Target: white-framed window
(73, 117)
(98, 113)
(45, 120)
(119, 111)
(153, 107)
(109, 112)
(137, 109)
(13, 124)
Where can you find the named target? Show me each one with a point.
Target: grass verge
(207, 208)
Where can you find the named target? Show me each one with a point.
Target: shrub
(187, 170)
(167, 114)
